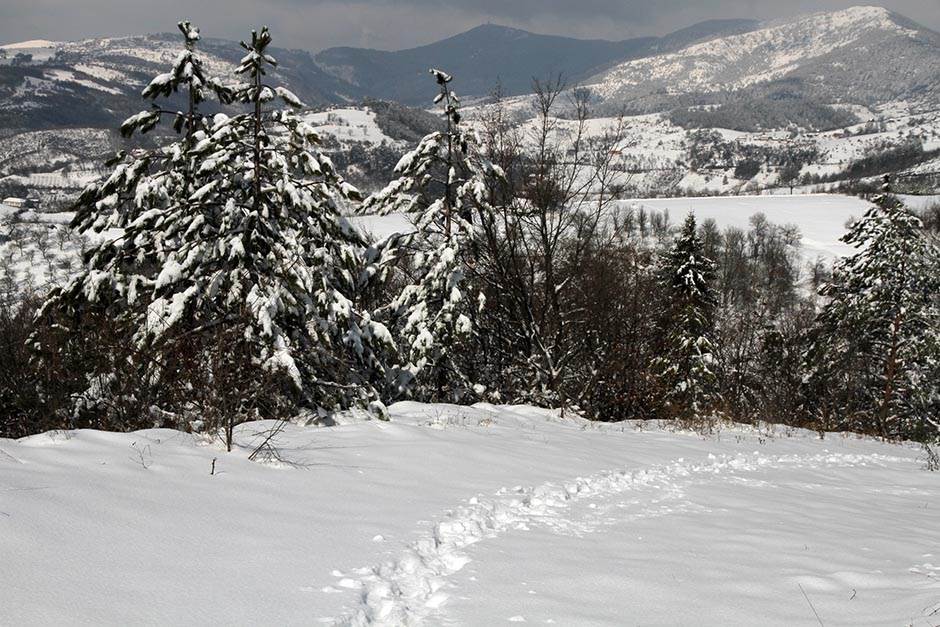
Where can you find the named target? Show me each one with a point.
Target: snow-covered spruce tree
(229, 281)
(441, 184)
(284, 249)
(685, 367)
(92, 317)
(874, 359)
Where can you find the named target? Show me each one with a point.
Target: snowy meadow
(480, 515)
(497, 387)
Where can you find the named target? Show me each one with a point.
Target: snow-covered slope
(93, 83)
(471, 516)
(37, 49)
(740, 60)
(32, 44)
(658, 157)
(350, 124)
(846, 45)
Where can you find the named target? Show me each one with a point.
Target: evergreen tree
(685, 366)
(105, 304)
(287, 252)
(234, 270)
(441, 184)
(873, 360)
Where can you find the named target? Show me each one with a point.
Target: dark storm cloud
(391, 24)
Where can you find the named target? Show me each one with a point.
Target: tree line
(227, 284)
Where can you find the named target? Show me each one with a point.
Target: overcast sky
(395, 24)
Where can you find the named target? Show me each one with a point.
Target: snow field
(821, 218)
(412, 588)
(430, 519)
(843, 536)
(349, 124)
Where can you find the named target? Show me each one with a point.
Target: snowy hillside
(94, 82)
(741, 60)
(37, 49)
(658, 157)
(519, 55)
(349, 125)
(861, 55)
(842, 49)
(835, 87)
(53, 166)
(477, 515)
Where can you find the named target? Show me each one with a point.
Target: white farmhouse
(19, 203)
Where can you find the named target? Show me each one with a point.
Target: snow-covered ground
(821, 218)
(32, 44)
(39, 49)
(38, 250)
(349, 124)
(473, 516)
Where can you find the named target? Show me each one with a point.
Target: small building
(20, 203)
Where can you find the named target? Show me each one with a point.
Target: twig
(141, 459)
(6, 455)
(811, 605)
(932, 458)
(272, 433)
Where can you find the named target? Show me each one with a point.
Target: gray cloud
(393, 24)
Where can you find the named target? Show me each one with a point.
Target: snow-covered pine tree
(234, 265)
(874, 358)
(283, 249)
(441, 185)
(145, 180)
(686, 366)
(101, 308)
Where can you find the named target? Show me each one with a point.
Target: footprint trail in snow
(414, 587)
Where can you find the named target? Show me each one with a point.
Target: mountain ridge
(865, 55)
(520, 55)
(96, 82)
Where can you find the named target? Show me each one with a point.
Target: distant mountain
(488, 54)
(96, 82)
(861, 55)
(732, 73)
